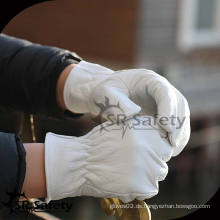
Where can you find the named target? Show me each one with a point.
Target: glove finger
(181, 137)
(166, 109)
(158, 88)
(181, 134)
(164, 95)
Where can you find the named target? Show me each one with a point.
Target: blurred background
(178, 39)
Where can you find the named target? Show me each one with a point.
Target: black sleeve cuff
(12, 169)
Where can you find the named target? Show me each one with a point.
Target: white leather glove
(98, 90)
(103, 164)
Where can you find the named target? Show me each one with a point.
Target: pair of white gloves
(115, 162)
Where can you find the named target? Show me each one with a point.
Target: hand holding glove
(97, 89)
(103, 164)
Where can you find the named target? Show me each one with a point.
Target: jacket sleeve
(29, 73)
(12, 169)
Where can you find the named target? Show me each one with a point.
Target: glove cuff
(65, 166)
(81, 80)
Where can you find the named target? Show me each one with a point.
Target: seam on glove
(116, 194)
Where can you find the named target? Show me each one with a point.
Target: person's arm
(35, 181)
(29, 75)
(21, 170)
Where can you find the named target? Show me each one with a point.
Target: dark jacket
(28, 77)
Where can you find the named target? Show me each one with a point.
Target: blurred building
(181, 39)
(178, 39)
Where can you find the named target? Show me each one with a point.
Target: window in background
(199, 24)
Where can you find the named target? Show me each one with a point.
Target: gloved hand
(103, 164)
(99, 90)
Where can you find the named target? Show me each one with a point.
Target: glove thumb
(114, 104)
